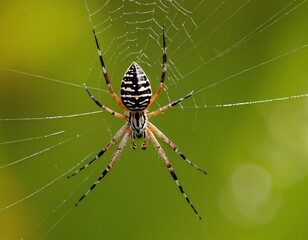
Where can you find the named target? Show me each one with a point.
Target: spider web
(245, 61)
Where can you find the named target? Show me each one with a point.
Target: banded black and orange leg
(168, 165)
(162, 136)
(170, 105)
(113, 94)
(117, 115)
(105, 149)
(109, 165)
(163, 73)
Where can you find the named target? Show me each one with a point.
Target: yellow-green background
(256, 155)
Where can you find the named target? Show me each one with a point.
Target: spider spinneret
(136, 99)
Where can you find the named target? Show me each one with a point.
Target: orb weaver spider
(136, 99)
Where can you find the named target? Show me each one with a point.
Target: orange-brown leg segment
(105, 149)
(115, 97)
(109, 165)
(163, 74)
(168, 165)
(108, 110)
(162, 136)
(170, 105)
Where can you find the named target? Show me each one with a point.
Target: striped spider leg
(136, 99)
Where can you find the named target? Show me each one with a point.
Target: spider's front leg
(110, 164)
(162, 154)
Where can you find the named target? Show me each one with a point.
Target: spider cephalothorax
(136, 99)
(138, 123)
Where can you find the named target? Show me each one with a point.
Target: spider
(136, 99)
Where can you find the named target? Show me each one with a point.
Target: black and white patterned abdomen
(136, 90)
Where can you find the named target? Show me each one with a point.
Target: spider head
(137, 121)
(136, 90)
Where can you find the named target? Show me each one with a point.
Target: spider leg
(163, 74)
(105, 149)
(109, 165)
(170, 105)
(115, 97)
(168, 165)
(117, 115)
(162, 136)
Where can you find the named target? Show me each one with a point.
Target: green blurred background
(256, 155)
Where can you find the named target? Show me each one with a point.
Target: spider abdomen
(136, 90)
